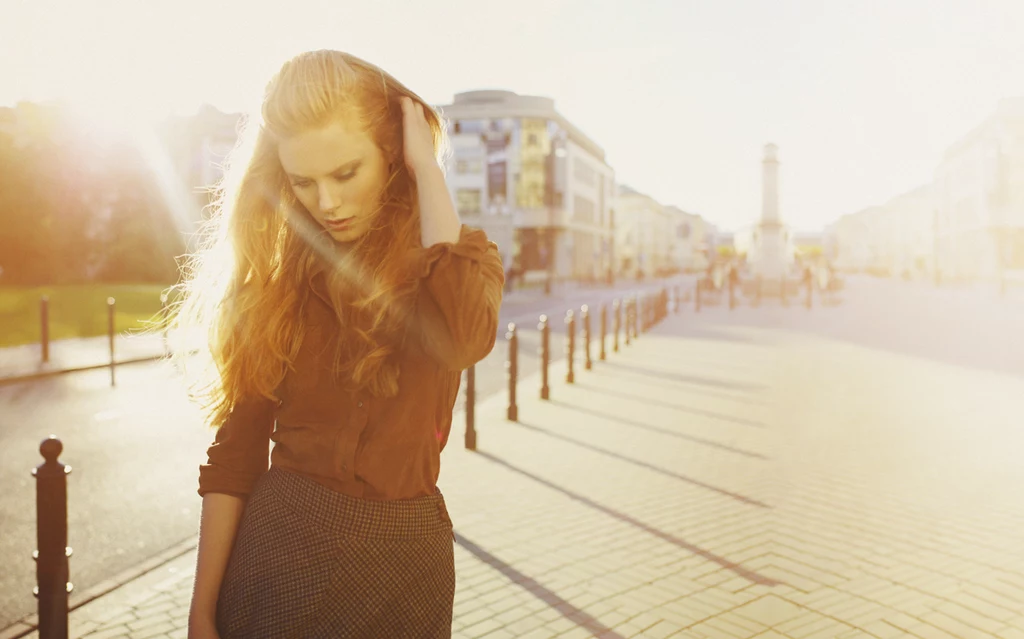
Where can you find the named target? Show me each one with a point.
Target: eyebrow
(348, 165)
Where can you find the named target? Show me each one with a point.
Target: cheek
(365, 193)
(308, 199)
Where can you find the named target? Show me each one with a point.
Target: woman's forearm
(439, 221)
(217, 529)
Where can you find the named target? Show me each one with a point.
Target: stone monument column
(770, 185)
(770, 260)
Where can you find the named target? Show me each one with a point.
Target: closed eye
(301, 184)
(346, 176)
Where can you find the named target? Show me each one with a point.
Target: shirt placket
(348, 439)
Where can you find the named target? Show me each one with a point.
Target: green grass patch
(75, 311)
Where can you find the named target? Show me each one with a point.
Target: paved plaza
(760, 473)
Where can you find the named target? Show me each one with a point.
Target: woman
(342, 298)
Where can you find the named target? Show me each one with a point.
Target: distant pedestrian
(343, 298)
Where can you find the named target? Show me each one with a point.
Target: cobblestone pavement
(719, 479)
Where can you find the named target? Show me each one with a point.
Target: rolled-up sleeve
(459, 299)
(240, 451)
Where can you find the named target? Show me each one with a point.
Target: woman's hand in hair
(418, 143)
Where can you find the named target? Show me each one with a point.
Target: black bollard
(587, 362)
(617, 305)
(570, 346)
(44, 327)
(545, 356)
(110, 331)
(471, 408)
(52, 552)
(512, 365)
(604, 330)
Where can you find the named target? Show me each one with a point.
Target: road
(135, 449)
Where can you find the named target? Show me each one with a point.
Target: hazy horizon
(862, 100)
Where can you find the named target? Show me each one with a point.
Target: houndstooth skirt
(311, 562)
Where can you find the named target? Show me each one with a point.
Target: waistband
(340, 514)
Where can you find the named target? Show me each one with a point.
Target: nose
(327, 200)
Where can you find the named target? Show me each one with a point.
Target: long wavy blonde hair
(247, 284)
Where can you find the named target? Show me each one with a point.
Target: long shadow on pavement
(637, 462)
(674, 387)
(684, 409)
(687, 379)
(737, 569)
(578, 616)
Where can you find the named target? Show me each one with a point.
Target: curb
(76, 600)
(17, 379)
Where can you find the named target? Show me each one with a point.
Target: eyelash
(341, 178)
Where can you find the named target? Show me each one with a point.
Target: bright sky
(862, 96)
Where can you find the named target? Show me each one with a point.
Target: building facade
(537, 185)
(197, 146)
(644, 234)
(690, 240)
(979, 198)
(966, 224)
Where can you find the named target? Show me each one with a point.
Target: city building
(966, 224)
(692, 239)
(645, 233)
(196, 147)
(537, 185)
(979, 198)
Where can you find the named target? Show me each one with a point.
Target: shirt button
(360, 404)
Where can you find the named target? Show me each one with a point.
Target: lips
(338, 224)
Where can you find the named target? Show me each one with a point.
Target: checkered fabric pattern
(311, 562)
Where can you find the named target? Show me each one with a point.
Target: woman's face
(338, 173)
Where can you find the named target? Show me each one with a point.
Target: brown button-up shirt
(352, 442)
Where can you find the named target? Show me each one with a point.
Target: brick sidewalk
(693, 487)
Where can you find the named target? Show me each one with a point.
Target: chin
(344, 235)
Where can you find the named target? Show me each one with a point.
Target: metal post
(636, 310)
(810, 291)
(44, 327)
(570, 345)
(732, 293)
(110, 331)
(545, 356)
(587, 362)
(604, 329)
(471, 408)
(52, 551)
(629, 314)
(696, 296)
(617, 306)
(512, 365)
